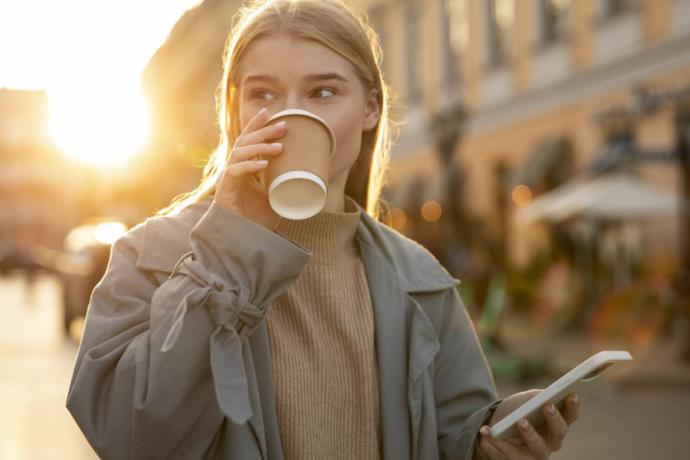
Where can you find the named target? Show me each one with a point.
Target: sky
(88, 56)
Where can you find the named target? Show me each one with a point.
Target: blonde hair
(335, 25)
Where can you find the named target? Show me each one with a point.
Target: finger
(557, 427)
(264, 134)
(256, 122)
(535, 443)
(511, 451)
(245, 167)
(571, 411)
(491, 451)
(249, 152)
(505, 447)
(516, 441)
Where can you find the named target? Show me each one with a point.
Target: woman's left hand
(532, 443)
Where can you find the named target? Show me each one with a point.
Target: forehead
(288, 58)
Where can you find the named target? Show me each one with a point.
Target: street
(34, 376)
(631, 422)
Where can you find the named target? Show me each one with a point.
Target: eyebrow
(310, 78)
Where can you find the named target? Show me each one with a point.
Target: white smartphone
(586, 371)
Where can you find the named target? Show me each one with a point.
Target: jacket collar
(164, 242)
(418, 270)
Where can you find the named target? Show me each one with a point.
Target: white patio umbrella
(612, 196)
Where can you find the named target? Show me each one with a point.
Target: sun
(102, 126)
(88, 58)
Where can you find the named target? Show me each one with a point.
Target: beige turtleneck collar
(330, 235)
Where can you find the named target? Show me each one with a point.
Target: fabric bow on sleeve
(235, 316)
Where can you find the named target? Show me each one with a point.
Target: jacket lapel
(406, 340)
(423, 347)
(388, 300)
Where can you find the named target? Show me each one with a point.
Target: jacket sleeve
(464, 388)
(160, 365)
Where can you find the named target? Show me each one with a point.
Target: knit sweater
(321, 333)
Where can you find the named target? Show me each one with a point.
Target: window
(413, 36)
(500, 18)
(612, 8)
(554, 20)
(457, 36)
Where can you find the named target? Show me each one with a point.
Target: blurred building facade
(532, 77)
(35, 200)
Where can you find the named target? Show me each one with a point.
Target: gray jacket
(175, 362)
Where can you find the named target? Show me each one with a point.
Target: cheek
(348, 142)
(244, 116)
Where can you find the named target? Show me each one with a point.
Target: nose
(291, 101)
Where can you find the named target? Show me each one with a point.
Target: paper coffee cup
(297, 179)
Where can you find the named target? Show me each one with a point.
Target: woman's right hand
(532, 443)
(239, 189)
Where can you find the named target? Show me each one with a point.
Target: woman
(222, 330)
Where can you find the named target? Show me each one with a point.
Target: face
(284, 64)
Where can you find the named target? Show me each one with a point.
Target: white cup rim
(290, 175)
(306, 113)
(297, 174)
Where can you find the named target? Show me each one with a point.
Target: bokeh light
(431, 211)
(398, 218)
(522, 195)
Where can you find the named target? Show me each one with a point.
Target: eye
(319, 93)
(259, 94)
(321, 89)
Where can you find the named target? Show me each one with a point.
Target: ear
(372, 111)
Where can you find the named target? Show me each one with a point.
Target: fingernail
(277, 145)
(523, 424)
(484, 430)
(281, 123)
(574, 400)
(261, 162)
(551, 409)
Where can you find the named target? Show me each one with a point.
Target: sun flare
(102, 131)
(88, 57)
